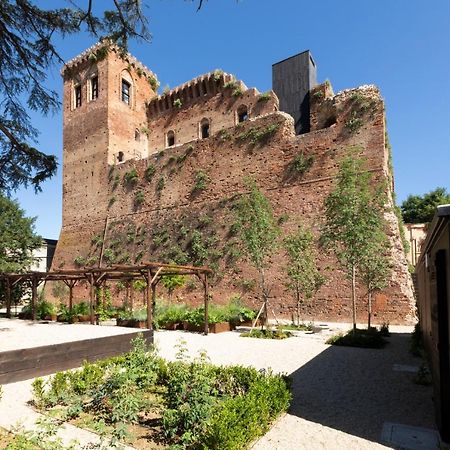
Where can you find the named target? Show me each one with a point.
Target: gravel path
(342, 396)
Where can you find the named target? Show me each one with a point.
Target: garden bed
(147, 402)
(365, 338)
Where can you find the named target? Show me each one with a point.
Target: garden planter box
(51, 317)
(84, 318)
(131, 323)
(171, 326)
(220, 327)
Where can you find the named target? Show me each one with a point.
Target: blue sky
(402, 46)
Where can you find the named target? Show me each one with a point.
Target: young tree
(352, 213)
(259, 233)
(171, 282)
(375, 267)
(304, 277)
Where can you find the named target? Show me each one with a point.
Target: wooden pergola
(151, 272)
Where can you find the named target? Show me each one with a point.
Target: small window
(120, 157)
(170, 139)
(126, 92)
(242, 113)
(204, 129)
(137, 135)
(77, 96)
(94, 88)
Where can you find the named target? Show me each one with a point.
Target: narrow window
(204, 129)
(170, 139)
(242, 113)
(137, 135)
(77, 96)
(126, 92)
(94, 88)
(120, 157)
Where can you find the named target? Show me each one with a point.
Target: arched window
(204, 128)
(120, 157)
(242, 113)
(170, 138)
(126, 92)
(137, 135)
(93, 87)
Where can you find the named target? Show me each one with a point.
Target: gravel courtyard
(341, 396)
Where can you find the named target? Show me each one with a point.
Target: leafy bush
(258, 135)
(201, 181)
(267, 334)
(265, 96)
(131, 178)
(139, 198)
(81, 309)
(301, 163)
(371, 338)
(45, 309)
(149, 172)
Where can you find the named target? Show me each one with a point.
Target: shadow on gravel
(356, 390)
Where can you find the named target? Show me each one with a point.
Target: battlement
(208, 84)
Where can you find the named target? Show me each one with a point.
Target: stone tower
(105, 94)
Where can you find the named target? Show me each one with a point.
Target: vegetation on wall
(201, 181)
(258, 135)
(131, 178)
(149, 172)
(300, 164)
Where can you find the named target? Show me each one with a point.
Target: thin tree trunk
(265, 298)
(369, 308)
(298, 304)
(354, 297)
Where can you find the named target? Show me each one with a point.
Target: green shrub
(354, 123)
(267, 334)
(265, 96)
(177, 103)
(371, 338)
(80, 261)
(243, 418)
(258, 135)
(149, 172)
(301, 163)
(139, 198)
(201, 181)
(154, 83)
(131, 178)
(81, 309)
(45, 309)
(160, 185)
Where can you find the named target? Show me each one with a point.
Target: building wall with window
(146, 177)
(203, 107)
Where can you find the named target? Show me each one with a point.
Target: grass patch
(299, 327)
(371, 338)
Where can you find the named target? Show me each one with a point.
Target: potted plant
(81, 310)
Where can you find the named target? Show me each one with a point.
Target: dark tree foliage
(421, 208)
(27, 51)
(17, 237)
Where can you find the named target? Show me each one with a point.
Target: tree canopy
(421, 208)
(17, 236)
(27, 52)
(354, 217)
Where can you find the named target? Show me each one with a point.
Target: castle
(150, 177)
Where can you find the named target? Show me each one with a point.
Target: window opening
(170, 139)
(137, 135)
(77, 96)
(126, 92)
(205, 129)
(242, 114)
(120, 157)
(94, 88)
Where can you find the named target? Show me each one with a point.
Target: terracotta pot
(170, 326)
(74, 319)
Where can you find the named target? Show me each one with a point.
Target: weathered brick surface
(173, 213)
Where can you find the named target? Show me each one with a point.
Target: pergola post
(149, 300)
(206, 300)
(8, 297)
(34, 285)
(91, 297)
